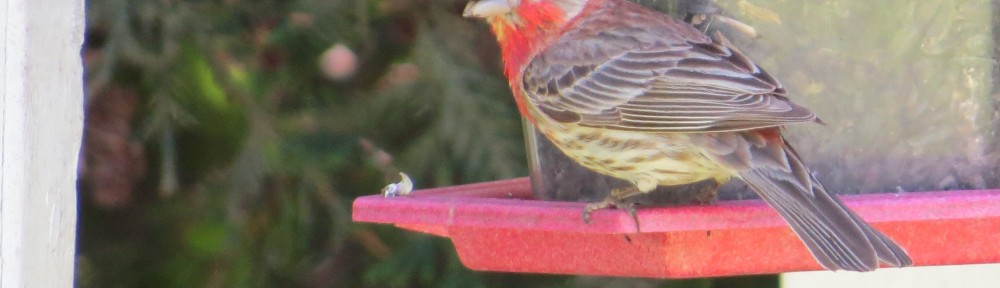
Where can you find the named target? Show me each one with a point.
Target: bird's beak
(487, 8)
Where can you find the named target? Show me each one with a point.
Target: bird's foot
(706, 197)
(708, 194)
(615, 199)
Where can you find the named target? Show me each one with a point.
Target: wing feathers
(664, 87)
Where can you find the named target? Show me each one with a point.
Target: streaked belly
(664, 159)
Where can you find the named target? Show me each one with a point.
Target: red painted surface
(496, 227)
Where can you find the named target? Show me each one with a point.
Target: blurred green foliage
(247, 142)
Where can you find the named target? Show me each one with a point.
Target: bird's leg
(617, 199)
(708, 193)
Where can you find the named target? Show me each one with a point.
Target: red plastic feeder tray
(495, 226)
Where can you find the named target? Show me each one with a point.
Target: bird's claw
(630, 208)
(594, 206)
(611, 201)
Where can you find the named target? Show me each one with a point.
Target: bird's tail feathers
(836, 237)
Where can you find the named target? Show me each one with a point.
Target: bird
(630, 92)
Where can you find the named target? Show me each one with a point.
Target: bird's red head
(523, 28)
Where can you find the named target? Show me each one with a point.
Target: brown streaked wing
(640, 82)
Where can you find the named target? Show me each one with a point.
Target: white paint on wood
(965, 276)
(41, 110)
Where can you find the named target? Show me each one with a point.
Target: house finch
(634, 94)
